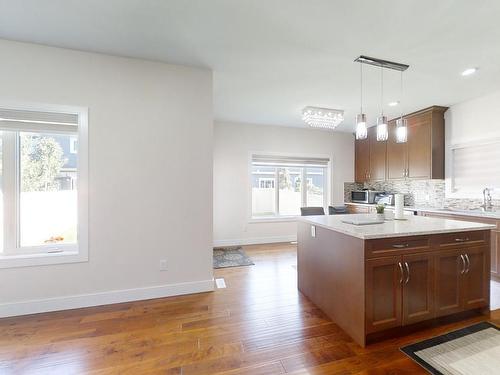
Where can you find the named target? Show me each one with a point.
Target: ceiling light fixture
(322, 117)
(382, 126)
(382, 130)
(469, 71)
(401, 123)
(361, 129)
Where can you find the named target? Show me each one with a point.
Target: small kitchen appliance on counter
(385, 199)
(364, 196)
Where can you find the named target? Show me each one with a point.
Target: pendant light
(361, 129)
(401, 123)
(382, 130)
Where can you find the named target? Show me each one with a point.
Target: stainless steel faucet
(487, 205)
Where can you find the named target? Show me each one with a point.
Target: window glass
(1, 194)
(263, 191)
(290, 185)
(315, 178)
(280, 190)
(48, 189)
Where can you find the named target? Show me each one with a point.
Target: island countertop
(412, 226)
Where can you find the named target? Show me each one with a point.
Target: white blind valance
(35, 121)
(289, 161)
(476, 167)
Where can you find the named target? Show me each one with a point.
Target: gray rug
(231, 257)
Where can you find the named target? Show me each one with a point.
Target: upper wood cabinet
(397, 155)
(378, 156)
(362, 160)
(421, 157)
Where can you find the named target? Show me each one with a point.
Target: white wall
(474, 120)
(233, 143)
(150, 165)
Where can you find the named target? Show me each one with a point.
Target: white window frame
(15, 256)
(450, 190)
(73, 145)
(283, 218)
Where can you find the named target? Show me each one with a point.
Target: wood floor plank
(260, 324)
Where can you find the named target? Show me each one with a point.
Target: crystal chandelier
(322, 117)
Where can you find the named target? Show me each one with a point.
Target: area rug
(231, 257)
(473, 350)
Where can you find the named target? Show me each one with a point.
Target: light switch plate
(163, 265)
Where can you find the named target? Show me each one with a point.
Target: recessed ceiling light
(469, 71)
(393, 104)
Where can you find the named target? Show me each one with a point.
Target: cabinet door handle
(463, 264)
(400, 246)
(461, 239)
(401, 272)
(468, 263)
(407, 273)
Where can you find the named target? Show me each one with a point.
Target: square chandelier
(322, 117)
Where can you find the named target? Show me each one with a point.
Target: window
(266, 183)
(278, 189)
(42, 171)
(472, 168)
(73, 145)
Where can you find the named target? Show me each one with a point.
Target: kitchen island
(375, 279)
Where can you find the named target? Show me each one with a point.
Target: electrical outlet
(163, 265)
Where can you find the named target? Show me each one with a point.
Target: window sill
(282, 219)
(41, 259)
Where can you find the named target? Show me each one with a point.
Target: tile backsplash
(421, 193)
(428, 193)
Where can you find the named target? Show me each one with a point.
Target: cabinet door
(419, 146)
(383, 293)
(396, 155)
(448, 285)
(362, 159)
(476, 285)
(418, 288)
(495, 253)
(378, 151)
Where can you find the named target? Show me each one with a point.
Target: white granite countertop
(413, 226)
(447, 211)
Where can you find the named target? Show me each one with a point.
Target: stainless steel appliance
(385, 198)
(364, 196)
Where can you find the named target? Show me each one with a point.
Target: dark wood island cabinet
(380, 278)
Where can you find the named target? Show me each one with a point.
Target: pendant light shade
(382, 130)
(401, 123)
(401, 130)
(361, 129)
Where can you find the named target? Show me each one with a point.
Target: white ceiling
(271, 58)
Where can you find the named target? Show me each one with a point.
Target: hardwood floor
(259, 324)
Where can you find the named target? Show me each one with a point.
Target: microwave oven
(365, 196)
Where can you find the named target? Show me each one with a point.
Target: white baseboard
(255, 241)
(103, 298)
